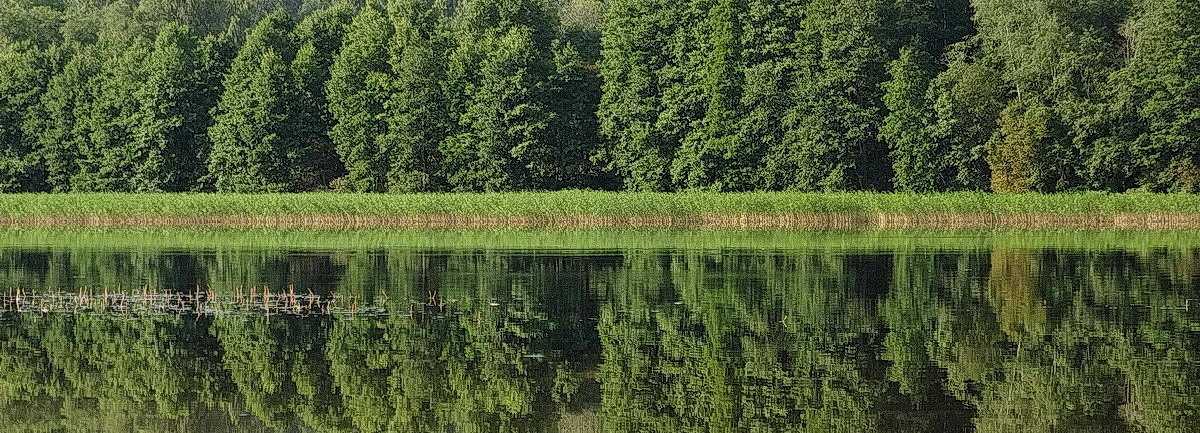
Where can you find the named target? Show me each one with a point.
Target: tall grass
(584, 240)
(590, 203)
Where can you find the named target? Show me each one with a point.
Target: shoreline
(838, 221)
(609, 210)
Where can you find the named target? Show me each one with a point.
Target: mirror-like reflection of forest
(1009, 340)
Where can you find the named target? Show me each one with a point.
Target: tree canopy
(489, 95)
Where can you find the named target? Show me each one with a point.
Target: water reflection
(674, 341)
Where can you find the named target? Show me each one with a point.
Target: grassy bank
(599, 240)
(602, 209)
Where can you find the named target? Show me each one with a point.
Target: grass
(584, 240)
(587, 208)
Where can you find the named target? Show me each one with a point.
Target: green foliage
(769, 49)
(1013, 151)
(170, 133)
(60, 134)
(711, 156)
(419, 118)
(571, 207)
(917, 158)
(360, 79)
(635, 50)
(317, 38)
(642, 95)
(106, 161)
(967, 100)
(833, 143)
(1160, 92)
(503, 147)
(256, 125)
(23, 74)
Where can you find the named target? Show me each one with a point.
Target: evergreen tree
(23, 73)
(360, 78)
(255, 127)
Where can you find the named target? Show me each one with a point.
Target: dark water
(999, 340)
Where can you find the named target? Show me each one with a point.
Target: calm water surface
(650, 340)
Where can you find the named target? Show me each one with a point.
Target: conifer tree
(255, 126)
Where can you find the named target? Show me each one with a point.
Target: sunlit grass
(589, 203)
(596, 240)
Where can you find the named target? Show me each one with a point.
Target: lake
(599, 332)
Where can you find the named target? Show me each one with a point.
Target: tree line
(499, 95)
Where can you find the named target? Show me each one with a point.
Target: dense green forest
(495, 95)
(645, 340)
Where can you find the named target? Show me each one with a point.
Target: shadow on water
(1000, 339)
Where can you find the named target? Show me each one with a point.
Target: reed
(606, 209)
(150, 240)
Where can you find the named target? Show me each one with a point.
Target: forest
(645, 95)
